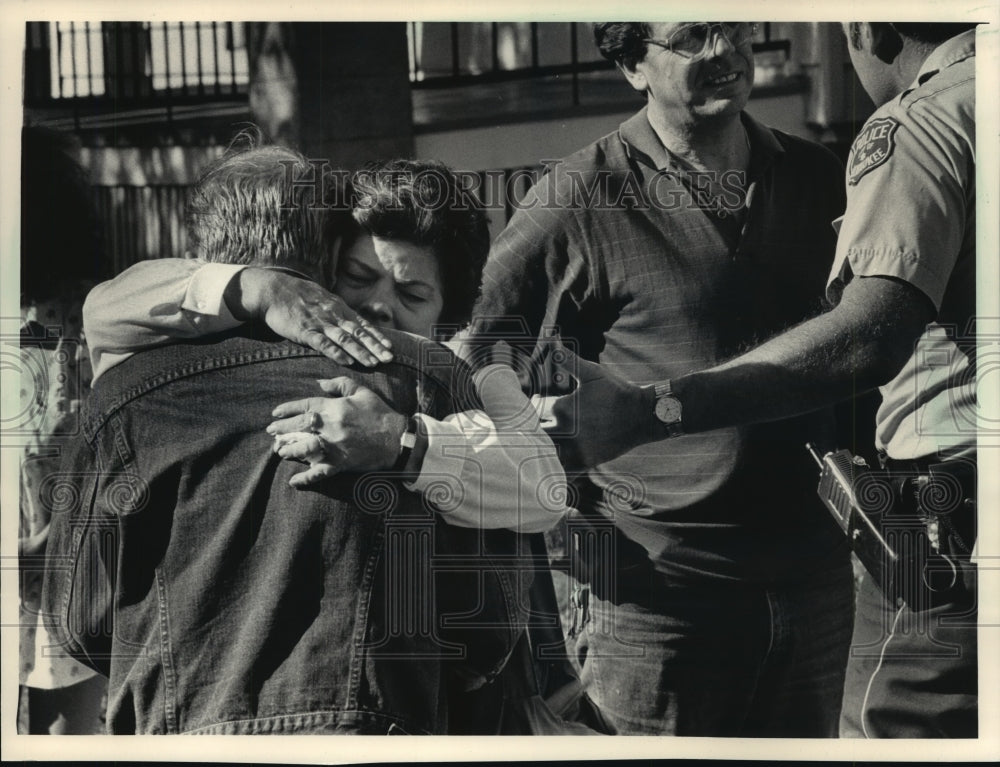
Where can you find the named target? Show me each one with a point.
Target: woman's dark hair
(423, 203)
(622, 41)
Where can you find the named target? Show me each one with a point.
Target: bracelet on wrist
(406, 442)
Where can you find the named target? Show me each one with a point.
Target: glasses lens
(690, 40)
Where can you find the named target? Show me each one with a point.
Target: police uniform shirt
(911, 215)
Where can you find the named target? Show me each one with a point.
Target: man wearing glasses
(713, 595)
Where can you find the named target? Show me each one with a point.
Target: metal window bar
(131, 60)
(184, 82)
(574, 59)
(197, 42)
(413, 41)
(90, 79)
(161, 79)
(140, 56)
(215, 55)
(231, 30)
(58, 62)
(455, 68)
(495, 42)
(411, 48)
(72, 57)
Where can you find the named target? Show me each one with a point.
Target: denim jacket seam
(76, 545)
(509, 607)
(118, 439)
(359, 651)
(166, 656)
(96, 420)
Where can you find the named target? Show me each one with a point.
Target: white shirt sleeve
(154, 302)
(493, 468)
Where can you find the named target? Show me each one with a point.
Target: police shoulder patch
(872, 147)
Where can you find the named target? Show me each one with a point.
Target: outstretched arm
(860, 344)
(159, 301)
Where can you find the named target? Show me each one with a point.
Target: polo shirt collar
(642, 144)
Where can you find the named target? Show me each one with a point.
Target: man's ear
(886, 42)
(635, 77)
(856, 36)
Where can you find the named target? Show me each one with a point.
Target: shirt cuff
(206, 291)
(441, 436)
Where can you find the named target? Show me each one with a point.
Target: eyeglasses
(694, 41)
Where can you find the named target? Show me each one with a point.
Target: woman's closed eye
(413, 295)
(358, 277)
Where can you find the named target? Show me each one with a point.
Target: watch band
(406, 442)
(664, 389)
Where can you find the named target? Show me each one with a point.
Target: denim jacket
(220, 600)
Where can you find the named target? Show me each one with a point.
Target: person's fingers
(321, 342)
(340, 386)
(302, 449)
(368, 336)
(289, 438)
(381, 337)
(315, 473)
(330, 312)
(346, 341)
(296, 406)
(309, 422)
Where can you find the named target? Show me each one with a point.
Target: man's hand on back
(303, 311)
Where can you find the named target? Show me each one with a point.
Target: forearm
(860, 344)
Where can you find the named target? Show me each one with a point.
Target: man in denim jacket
(217, 598)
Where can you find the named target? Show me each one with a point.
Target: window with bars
(450, 53)
(135, 60)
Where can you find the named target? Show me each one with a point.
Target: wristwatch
(668, 409)
(406, 442)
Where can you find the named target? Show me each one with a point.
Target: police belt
(941, 492)
(925, 511)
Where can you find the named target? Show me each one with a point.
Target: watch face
(668, 409)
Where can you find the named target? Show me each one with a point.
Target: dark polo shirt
(654, 272)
